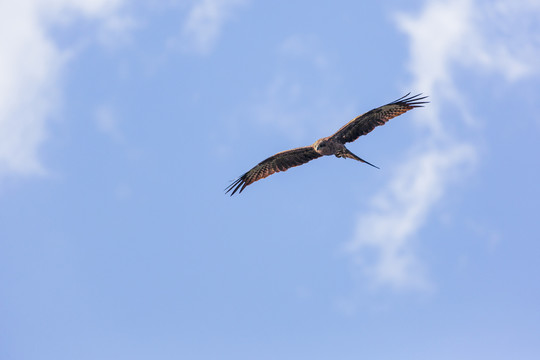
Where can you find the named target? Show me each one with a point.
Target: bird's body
(330, 145)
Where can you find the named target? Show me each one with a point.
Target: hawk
(330, 145)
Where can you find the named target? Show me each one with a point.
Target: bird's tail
(346, 153)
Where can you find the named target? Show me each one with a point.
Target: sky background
(122, 122)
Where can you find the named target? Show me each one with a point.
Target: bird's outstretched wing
(365, 123)
(279, 162)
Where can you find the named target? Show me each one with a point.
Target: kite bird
(330, 145)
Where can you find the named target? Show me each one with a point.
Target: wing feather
(365, 123)
(279, 162)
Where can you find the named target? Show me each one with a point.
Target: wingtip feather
(234, 186)
(413, 101)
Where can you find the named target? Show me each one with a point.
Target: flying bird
(330, 145)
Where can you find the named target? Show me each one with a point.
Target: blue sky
(121, 123)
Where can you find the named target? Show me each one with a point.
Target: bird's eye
(322, 145)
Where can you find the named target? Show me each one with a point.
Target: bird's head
(323, 146)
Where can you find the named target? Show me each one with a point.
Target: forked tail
(346, 153)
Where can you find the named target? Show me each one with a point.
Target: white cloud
(30, 69)
(205, 22)
(471, 34)
(400, 210)
(446, 36)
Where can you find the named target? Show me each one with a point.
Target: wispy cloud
(444, 37)
(400, 210)
(30, 69)
(108, 123)
(205, 22)
(300, 91)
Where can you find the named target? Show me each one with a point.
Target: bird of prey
(330, 145)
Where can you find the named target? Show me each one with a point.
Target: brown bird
(330, 145)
